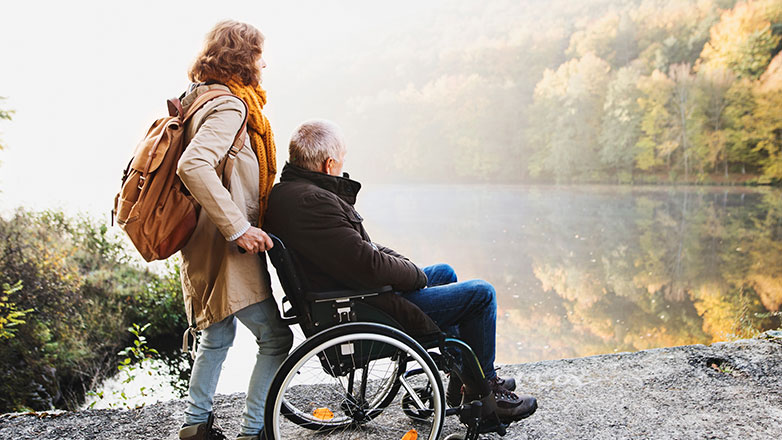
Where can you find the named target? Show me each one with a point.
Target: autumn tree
(621, 125)
(740, 134)
(683, 103)
(571, 100)
(712, 101)
(672, 32)
(768, 121)
(656, 143)
(610, 37)
(745, 39)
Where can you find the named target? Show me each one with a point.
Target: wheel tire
(290, 412)
(291, 391)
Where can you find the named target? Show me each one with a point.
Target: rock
(771, 334)
(726, 390)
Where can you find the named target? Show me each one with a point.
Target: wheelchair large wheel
(344, 382)
(382, 386)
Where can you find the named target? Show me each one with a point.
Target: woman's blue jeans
(274, 340)
(466, 309)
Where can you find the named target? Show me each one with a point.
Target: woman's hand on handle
(254, 241)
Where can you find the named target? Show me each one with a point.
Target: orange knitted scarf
(261, 138)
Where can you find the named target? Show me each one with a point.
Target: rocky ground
(724, 391)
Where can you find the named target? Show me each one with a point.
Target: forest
(632, 91)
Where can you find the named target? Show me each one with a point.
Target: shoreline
(725, 390)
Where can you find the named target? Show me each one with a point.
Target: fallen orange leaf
(323, 414)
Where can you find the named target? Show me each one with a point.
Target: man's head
(318, 145)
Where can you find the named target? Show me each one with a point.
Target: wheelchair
(359, 376)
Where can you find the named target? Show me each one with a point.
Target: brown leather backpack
(153, 206)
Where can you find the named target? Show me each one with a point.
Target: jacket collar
(343, 187)
(197, 89)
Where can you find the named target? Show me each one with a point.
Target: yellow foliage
(768, 117)
(771, 80)
(723, 316)
(717, 314)
(743, 40)
(570, 283)
(656, 141)
(769, 288)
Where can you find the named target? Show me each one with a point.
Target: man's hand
(254, 241)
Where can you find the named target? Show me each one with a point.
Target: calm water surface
(598, 269)
(583, 270)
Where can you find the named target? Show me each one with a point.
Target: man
(311, 210)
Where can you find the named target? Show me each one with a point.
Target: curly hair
(231, 50)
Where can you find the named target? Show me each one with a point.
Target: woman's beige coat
(217, 280)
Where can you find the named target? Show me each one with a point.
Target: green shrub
(10, 315)
(80, 291)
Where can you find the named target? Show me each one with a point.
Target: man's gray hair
(313, 142)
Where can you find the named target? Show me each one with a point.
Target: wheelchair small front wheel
(344, 382)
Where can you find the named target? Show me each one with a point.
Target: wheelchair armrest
(290, 321)
(344, 294)
(289, 313)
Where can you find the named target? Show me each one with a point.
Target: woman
(220, 283)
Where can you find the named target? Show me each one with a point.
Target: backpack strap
(226, 165)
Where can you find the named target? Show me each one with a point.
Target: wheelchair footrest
(478, 409)
(487, 426)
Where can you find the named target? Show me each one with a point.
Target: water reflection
(598, 269)
(578, 270)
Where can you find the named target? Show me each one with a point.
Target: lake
(584, 270)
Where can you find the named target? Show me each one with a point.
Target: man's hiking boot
(509, 383)
(512, 407)
(202, 431)
(455, 390)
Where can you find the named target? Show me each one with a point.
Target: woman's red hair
(231, 50)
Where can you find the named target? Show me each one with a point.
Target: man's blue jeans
(470, 307)
(274, 340)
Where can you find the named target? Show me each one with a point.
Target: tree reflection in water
(599, 269)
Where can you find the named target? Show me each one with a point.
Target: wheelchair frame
(343, 319)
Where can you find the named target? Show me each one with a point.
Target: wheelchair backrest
(315, 311)
(283, 262)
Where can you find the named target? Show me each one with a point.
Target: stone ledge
(726, 390)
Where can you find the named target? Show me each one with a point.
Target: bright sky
(86, 78)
